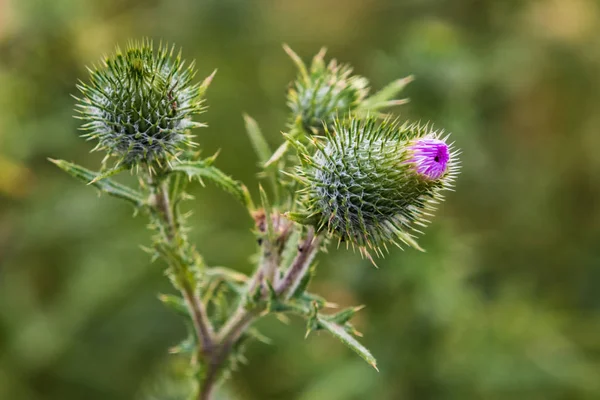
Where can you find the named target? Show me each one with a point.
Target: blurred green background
(505, 303)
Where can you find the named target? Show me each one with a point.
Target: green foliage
(341, 334)
(204, 169)
(107, 186)
(259, 143)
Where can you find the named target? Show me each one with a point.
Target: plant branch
(306, 253)
(198, 313)
(246, 314)
(227, 338)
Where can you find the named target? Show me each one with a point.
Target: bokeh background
(504, 304)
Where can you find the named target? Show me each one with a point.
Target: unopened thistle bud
(139, 104)
(370, 183)
(323, 91)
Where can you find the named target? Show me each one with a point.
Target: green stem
(214, 349)
(306, 253)
(243, 316)
(178, 242)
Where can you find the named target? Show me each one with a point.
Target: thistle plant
(344, 172)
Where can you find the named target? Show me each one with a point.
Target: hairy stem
(164, 206)
(207, 386)
(306, 253)
(174, 239)
(246, 314)
(200, 319)
(270, 263)
(237, 325)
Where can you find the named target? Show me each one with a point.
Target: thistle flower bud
(370, 184)
(139, 104)
(323, 91)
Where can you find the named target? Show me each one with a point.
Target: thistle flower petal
(430, 157)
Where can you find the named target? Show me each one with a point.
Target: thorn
(208, 79)
(374, 365)
(212, 158)
(406, 80)
(398, 102)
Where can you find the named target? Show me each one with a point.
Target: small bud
(370, 184)
(139, 104)
(324, 91)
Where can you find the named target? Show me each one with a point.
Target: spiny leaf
(226, 274)
(263, 152)
(344, 315)
(303, 218)
(297, 60)
(268, 213)
(179, 270)
(310, 298)
(175, 303)
(107, 186)
(278, 155)
(177, 188)
(108, 174)
(186, 346)
(312, 322)
(385, 97)
(340, 333)
(201, 169)
(257, 335)
(260, 145)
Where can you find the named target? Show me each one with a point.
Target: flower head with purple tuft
(430, 157)
(370, 182)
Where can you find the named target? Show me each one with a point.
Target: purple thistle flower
(430, 157)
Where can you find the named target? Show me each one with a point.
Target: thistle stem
(164, 206)
(271, 263)
(200, 319)
(199, 315)
(206, 387)
(243, 317)
(306, 253)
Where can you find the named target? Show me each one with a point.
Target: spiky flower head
(139, 104)
(370, 183)
(323, 91)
